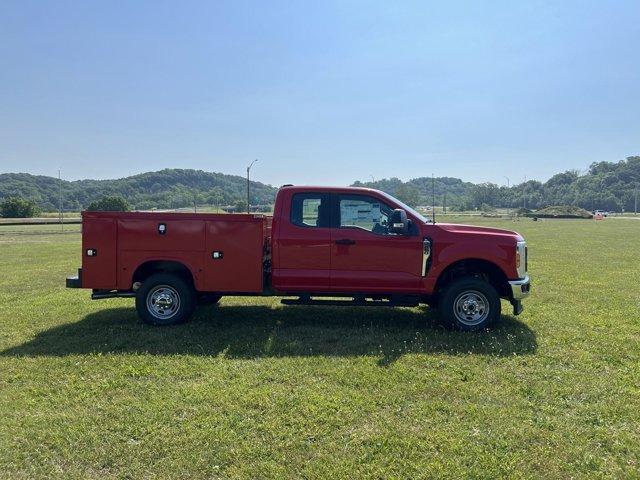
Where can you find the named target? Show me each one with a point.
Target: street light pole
(248, 169)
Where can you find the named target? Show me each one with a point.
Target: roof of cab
(320, 188)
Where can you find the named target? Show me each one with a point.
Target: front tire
(165, 299)
(470, 304)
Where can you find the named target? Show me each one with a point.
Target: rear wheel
(469, 303)
(165, 299)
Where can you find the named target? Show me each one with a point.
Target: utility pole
(248, 169)
(635, 202)
(444, 204)
(60, 207)
(524, 193)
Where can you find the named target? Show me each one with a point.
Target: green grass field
(251, 389)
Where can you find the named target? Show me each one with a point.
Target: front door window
(366, 213)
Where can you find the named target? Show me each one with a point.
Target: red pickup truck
(323, 245)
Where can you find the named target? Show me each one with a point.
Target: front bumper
(520, 289)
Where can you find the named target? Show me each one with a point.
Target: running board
(101, 294)
(354, 302)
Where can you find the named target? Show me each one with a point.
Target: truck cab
(323, 245)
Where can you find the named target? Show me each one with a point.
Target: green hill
(169, 188)
(606, 186)
(419, 191)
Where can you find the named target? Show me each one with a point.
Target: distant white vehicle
(601, 212)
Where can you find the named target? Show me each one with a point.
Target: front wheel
(165, 299)
(470, 304)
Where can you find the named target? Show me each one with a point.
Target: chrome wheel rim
(471, 307)
(163, 302)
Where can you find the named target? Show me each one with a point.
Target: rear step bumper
(75, 281)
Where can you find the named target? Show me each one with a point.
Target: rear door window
(310, 210)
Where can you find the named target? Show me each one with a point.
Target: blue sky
(326, 93)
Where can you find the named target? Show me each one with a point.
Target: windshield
(407, 208)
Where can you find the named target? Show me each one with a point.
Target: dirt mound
(561, 211)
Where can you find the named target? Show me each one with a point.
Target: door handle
(345, 241)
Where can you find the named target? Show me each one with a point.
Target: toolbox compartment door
(161, 235)
(99, 240)
(234, 255)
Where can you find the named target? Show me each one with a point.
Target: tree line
(165, 189)
(606, 185)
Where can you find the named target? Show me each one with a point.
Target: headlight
(521, 259)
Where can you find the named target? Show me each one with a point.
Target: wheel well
(146, 269)
(475, 268)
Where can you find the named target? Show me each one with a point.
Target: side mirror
(399, 222)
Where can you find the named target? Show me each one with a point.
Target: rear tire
(165, 299)
(469, 304)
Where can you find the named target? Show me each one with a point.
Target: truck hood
(496, 233)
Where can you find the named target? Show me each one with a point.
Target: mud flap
(517, 307)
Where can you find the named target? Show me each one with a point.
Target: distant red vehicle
(323, 246)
